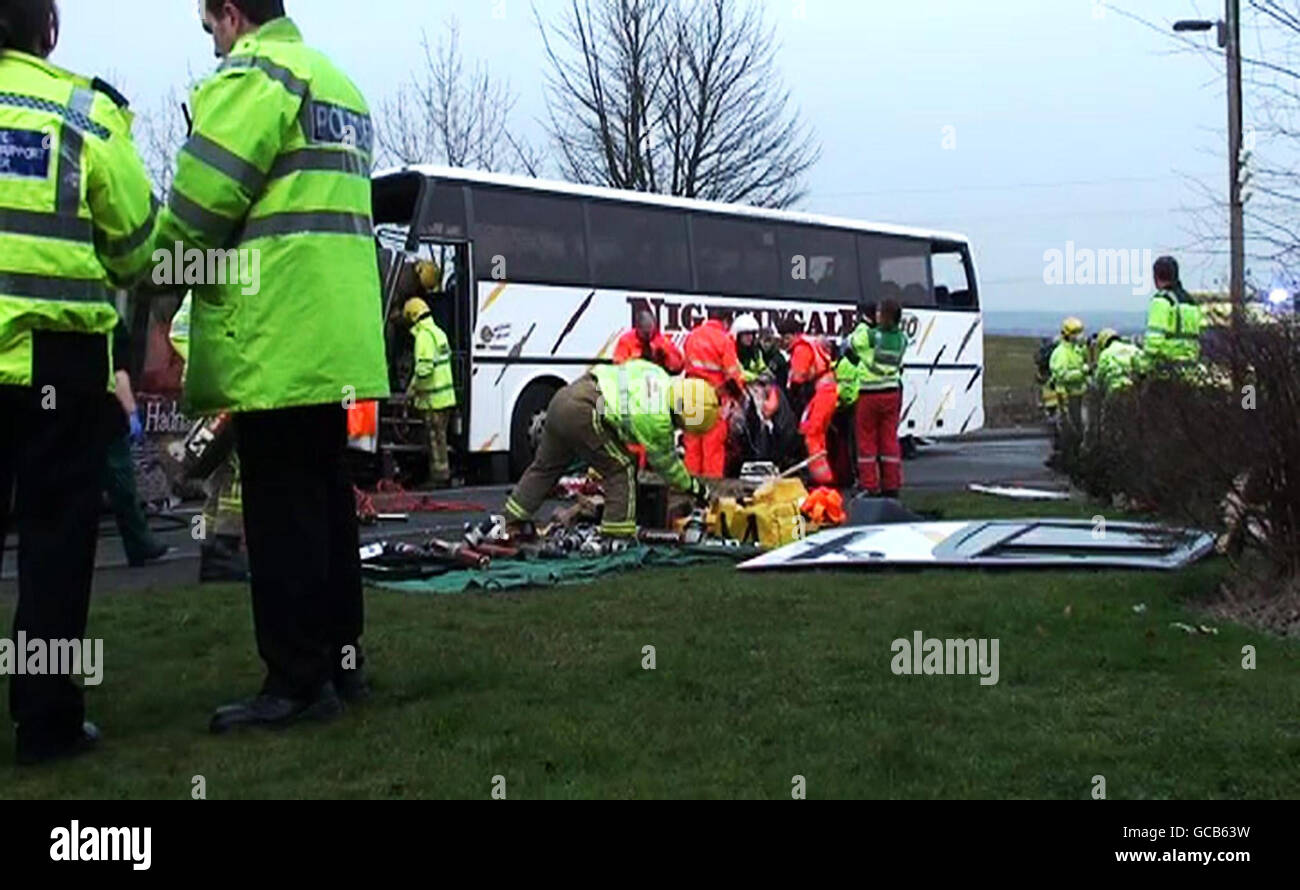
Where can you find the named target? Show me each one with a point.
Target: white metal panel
(993, 543)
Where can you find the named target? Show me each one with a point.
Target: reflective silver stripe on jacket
(80, 120)
(71, 144)
(312, 222)
(213, 227)
(51, 287)
(115, 247)
(225, 161)
(45, 225)
(281, 75)
(330, 160)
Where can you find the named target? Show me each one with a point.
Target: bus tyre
(908, 446)
(526, 424)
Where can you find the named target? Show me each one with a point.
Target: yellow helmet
(414, 310)
(694, 404)
(1072, 326)
(1105, 336)
(429, 274)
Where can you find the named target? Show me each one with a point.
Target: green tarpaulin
(510, 574)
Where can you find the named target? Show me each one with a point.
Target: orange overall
(711, 355)
(811, 362)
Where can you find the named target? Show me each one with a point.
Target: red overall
(810, 361)
(711, 355)
(880, 459)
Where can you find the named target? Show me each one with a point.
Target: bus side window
(951, 287)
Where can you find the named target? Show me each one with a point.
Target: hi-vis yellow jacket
(277, 170)
(77, 214)
(432, 387)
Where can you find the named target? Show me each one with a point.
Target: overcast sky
(1055, 108)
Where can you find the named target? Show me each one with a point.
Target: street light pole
(1229, 33)
(1236, 223)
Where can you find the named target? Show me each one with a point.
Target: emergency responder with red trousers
(646, 342)
(594, 420)
(77, 218)
(811, 384)
(711, 356)
(278, 162)
(879, 351)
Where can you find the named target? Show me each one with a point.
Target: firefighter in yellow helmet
(1069, 380)
(1118, 361)
(596, 417)
(432, 391)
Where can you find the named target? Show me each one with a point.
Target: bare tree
(677, 97)
(1272, 73)
(160, 132)
(1271, 88)
(452, 115)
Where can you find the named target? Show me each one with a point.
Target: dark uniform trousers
(574, 431)
(53, 437)
(301, 526)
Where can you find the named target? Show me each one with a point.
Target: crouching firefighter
(596, 417)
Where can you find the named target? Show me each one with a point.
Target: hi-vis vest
(1173, 334)
(880, 353)
(1116, 365)
(432, 387)
(634, 397)
(275, 180)
(77, 214)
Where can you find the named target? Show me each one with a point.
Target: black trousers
(53, 437)
(301, 525)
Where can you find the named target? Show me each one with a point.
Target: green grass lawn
(758, 679)
(1010, 393)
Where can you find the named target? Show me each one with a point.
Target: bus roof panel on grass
(996, 543)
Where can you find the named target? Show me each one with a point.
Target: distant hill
(1045, 324)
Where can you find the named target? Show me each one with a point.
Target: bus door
(452, 311)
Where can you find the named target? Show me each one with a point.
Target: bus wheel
(527, 422)
(908, 444)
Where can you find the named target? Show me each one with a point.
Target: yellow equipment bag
(770, 518)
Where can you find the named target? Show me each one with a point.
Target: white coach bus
(541, 278)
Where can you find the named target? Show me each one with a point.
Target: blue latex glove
(137, 428)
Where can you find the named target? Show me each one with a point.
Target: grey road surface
(943, 466)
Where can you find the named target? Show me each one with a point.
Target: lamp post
(1229, 34)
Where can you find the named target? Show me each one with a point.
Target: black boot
(352, 686)
(31, 751)
(222, 559)
(153, 551)
(276, 712)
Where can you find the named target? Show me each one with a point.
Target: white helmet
(744, 324)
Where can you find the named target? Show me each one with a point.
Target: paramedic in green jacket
(77, 219)
(277, 168)
(1173, 333)
(432, 390)
(879, 350)
(596, 417)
